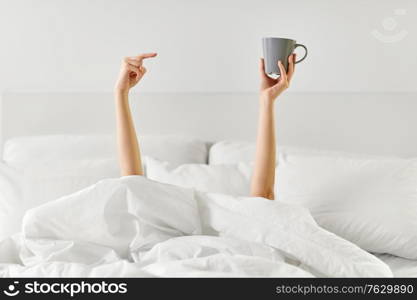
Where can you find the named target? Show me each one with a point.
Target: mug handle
(305, 55)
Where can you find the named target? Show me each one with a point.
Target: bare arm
(131, 73)
(263, 178)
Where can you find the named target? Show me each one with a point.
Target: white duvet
(136, 227)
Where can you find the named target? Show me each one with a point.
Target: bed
(332, 179)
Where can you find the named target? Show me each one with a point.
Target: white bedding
(400, 267)
(133, 226)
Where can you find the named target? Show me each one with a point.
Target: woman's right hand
(131, 72)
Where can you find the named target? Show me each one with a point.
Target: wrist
(121, 93)
(266, 101)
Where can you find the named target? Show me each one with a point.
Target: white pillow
(225, 179)
(23, 151)
(174, 149)
(232, 152)
(10, 201)
(369, 201)
(46, 181)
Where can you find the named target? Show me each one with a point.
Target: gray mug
(276, 49)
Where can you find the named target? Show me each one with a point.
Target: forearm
(263, 178)
(128, 147)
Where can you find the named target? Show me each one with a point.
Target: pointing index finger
(141, 57)
(146, 55)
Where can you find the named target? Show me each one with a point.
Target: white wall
(205, 46)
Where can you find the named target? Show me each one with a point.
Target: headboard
(372, 123)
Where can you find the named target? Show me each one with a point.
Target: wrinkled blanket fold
(133, 226)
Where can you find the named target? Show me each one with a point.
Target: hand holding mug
(279, 49)
(271, 88)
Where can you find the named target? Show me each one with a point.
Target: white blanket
(133, 226)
